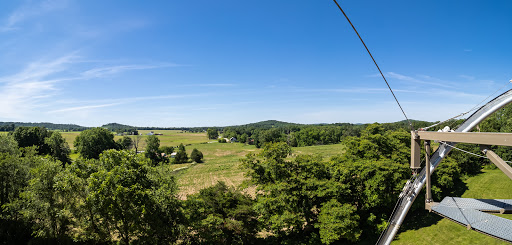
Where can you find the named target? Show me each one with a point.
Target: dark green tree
(91, 143)
(124, 143)
(134, 200)
(212, 133)
(167, 150)
(59, 148)
(221, 215)
(196, 156)
(181, 155)
(42, 202)
(33, 136)
(151, 152)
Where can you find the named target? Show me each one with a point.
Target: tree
(308, 200)
(59, 148)
(221, 215)
(167, 150)
(33, 136)
(124, 143)
(212, 133)
(134, 200)
(42, 203)
(91, 143)
(196, 156)
(181, 155)
(135, 141)
(151, 152)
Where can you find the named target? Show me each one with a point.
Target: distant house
(173, 155)
(233, 139)
(163, 154)
(150, 133)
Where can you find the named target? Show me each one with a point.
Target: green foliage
(212, 133)
(221, 215)
(59, 148)
(33, 136)
(337, 221)
(8, 144)
(124, 143)
(167, 150)
(196, 156)
(43, 204)
(92, 142)
(151, 151)
(222, 140)
(181, 155)
(297, 199)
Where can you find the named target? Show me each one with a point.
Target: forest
(111, 194)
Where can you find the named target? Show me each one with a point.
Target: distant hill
(114, 126)
(271, 124)
(50, 126)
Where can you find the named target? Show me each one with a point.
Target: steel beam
(466, 137)
(502, 165)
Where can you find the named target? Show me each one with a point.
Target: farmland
(221, 161)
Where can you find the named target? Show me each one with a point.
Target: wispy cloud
(30, 88)
(209, 85)
(415, 80)
(467, 77)
(29, 10)
(79, 108)
(104, 71)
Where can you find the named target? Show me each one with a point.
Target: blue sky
(219, 63)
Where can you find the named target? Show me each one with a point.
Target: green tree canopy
(59, 148)
(33, 136)
(212, 133)
(221, 215)
(91, 143)
(151, 152)
(196, 156)
(181, 155)
(124, 143)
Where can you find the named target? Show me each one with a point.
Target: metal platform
(469, 212)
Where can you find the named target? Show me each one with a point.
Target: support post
(428, 198)
(415, 152)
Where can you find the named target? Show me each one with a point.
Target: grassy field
(222, 163)
(431, 229)
(169, 137)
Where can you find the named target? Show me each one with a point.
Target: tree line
(119, 196)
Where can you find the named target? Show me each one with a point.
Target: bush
(196, 156)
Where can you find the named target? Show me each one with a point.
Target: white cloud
(30, 10)
(34, 86)
(79, 108)
(109, 70)
(417, 81)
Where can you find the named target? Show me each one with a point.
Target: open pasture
(222, 163)
(168, 137)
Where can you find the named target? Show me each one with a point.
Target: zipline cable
(382, 74)
(464, 113)
(471, 153)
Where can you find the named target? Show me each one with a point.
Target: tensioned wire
(375, 62)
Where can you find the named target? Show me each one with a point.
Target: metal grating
(467, 212)
(490, 205)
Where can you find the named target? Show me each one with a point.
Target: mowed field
(221, 160)
(222, 163)
(491, 184)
